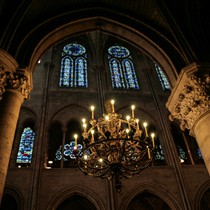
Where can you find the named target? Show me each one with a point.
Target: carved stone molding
(191, 98)
(194, 100)
(19, 80)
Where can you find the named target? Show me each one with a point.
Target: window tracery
(73, 72)
(121, 67)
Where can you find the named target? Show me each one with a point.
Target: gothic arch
(111, 27)
(200, 193)
(58, 113)
(156, 190)
(16, 194)
(31, 116)
(76, 190)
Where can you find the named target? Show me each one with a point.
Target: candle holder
(115, 147)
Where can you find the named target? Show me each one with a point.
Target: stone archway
(109, 27)
(12, 199)
(76, 202)
(147, 201)
(76, 196)
(148, 196)
(202, 200)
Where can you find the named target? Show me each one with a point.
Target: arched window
(163, 80)
(73, 72)
(25, 150)
(122, 70)
(159, 158)
(61, 144)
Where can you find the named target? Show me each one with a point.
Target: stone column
(189, 103)
(15, 85)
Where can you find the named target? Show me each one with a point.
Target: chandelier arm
(123, 150)
(97, 172)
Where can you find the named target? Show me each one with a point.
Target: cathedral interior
(58, 58)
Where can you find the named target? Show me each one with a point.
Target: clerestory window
(73, 72)
(163, 80)
(122, 70)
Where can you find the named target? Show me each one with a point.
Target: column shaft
(201, 131)
(9, 112)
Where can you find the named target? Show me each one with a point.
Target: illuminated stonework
(191, 98)
(19, 80)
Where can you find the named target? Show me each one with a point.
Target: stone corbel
(190, 98)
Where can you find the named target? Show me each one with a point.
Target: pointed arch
(121, 67)
(73, 71)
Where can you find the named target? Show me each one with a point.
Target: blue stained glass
(163, 80)
(159, 155)
(121, 67)
(199, 153)
(66, 72)
(182, 154)
(118, 52)
(130, 75)
(73, 71)
(116, 71)
(80, 72)
(68, 151)
(74, 49)
(26, 146)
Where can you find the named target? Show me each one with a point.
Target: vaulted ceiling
(180, 26)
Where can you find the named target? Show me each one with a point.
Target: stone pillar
(189, 103)
(15, 85)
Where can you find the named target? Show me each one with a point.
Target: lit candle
(92, 133)
(148, 151)
(75, 138)
(84, 126)
(92, 109)
(132, 111)
(83, 120)
(112, 103)
(153, 140)
(145, 126)
(100, 160)
(107, 118)
(127, 130)
(137, 124)
(128, 119)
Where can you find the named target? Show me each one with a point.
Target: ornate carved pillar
(15, 85)
(189, 103)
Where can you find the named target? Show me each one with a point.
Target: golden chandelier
(114, 147)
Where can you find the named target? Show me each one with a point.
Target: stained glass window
(159, 155)
(122, 70)
(26, 146)
(73, 72)
(163, 80)
(199, 153)
(182, 154)
(67, 152)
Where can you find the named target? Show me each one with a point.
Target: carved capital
(19, 80)
(192, 98)
(3, 77)
(7, 64)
